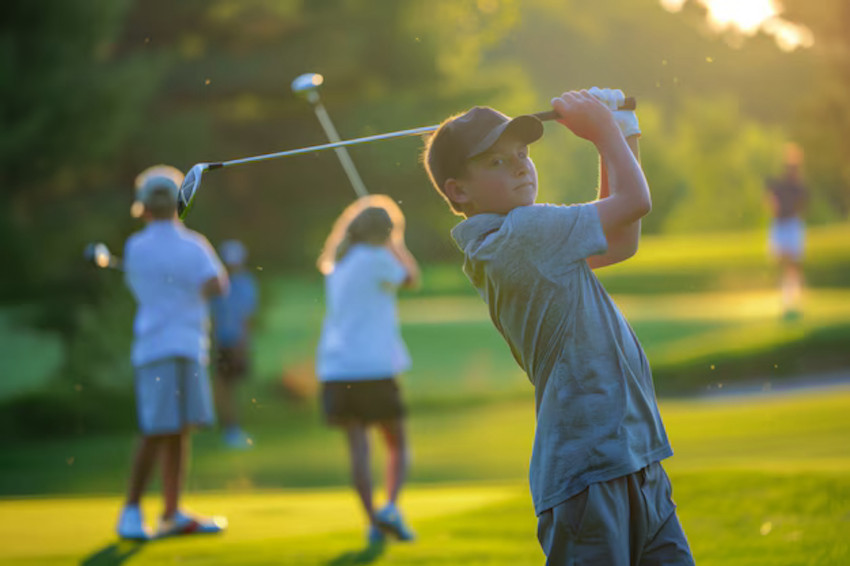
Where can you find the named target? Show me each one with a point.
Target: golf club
(307, 86)
(192, 181)
(98, 254)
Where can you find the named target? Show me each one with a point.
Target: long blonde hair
(368, 218)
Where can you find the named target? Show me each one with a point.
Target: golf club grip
(628, 104)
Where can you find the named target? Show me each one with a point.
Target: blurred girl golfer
(361, 351)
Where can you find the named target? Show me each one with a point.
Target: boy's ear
(455, 191)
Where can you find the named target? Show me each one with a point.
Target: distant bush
(62, 411)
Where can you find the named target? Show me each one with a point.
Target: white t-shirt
(165, 266)
(361, 339)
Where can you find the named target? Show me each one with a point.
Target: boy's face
(497, 181)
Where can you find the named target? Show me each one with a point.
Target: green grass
(695, 301)
(758, 480)
(692, 340)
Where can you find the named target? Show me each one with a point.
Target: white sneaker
(186, 524)
(131, 525)
(390, 521)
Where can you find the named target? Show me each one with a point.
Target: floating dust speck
(711, 367)
(709, 59)
(765, 528)
(70, 460)
(207, 81)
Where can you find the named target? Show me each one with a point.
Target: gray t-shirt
(597, 416)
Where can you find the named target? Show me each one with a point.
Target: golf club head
(98, 253)
(190, 186)
(307, 85)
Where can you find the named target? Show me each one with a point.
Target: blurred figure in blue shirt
(232, 316)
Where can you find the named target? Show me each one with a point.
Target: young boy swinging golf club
(599, 491)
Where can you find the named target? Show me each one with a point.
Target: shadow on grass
(366, 556)
(112, 554)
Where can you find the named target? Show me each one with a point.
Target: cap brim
(527, 128)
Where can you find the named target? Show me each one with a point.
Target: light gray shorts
(787, 237)
(173, 394)
(626, 521)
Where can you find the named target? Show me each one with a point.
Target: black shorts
(362, 402)
(231, 363)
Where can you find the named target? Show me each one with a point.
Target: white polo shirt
(361, 339)
(165, 266)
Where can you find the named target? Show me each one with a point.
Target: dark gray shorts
(626, 521)
(363, 402)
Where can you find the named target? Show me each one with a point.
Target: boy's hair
(156, 190)
(464, 136)
(372, 218)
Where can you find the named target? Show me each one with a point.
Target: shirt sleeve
(556, 233)
(129, 264)
(208, 264)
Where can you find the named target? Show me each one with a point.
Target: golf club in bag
(192, 181)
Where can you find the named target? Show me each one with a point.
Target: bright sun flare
(745, 15)
(748, 17)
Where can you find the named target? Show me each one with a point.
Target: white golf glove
(614, 98)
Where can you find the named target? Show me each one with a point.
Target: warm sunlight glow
(748, 17)
(673, 5)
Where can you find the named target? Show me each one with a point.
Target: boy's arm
(215, 286)
(622, 242)
(628, 197)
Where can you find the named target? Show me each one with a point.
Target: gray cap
(158, 179)
(470, 134)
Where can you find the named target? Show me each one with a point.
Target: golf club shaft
(546, 115)
(341, 152)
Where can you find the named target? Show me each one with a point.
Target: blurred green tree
(69, 103)
(822, 123)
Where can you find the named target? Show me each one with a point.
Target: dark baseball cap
(470, 134)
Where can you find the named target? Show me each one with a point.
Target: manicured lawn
(758, 479)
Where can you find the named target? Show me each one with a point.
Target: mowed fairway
(760, 479)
